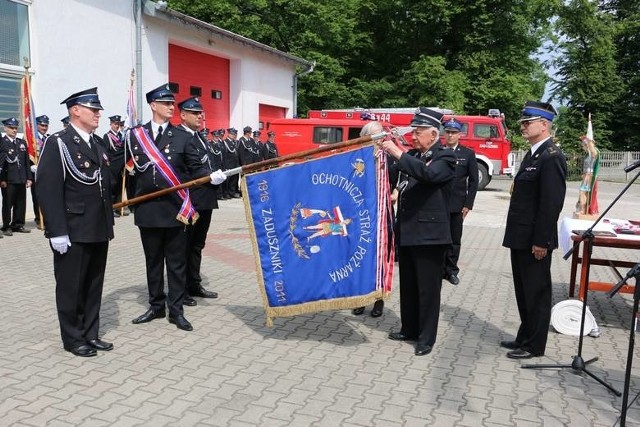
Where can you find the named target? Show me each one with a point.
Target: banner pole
(254, 167)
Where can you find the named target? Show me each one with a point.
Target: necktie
(159, 135)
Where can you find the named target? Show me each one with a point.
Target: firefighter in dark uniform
(270, 148)
(15, 178)
(217, 158)
(114, 142)
(532, 228)
(158, 154)
(422, 228)
(463, 194)
(42, 125)
(259, 145)
(231, 160)
(73, 191)
(248, 151)
(198, 156)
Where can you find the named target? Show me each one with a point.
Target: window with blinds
(14, 33)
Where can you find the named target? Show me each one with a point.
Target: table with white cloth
(604, 236)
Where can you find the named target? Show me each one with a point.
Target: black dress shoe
(202, 293)
(511, 345)
(521, 354)
(377, 308)
(399, 336)
(116, 214)
(180, 322)
(422, 349)
(453, 279)
(357, 311)
(8, 232)
(188, 301)
(98, 344)
(82, 350)
(148, 316)
(21, 230)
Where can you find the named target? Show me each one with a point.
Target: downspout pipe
(138, 17)
(309, 70)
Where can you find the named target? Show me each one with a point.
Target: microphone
(632, 166)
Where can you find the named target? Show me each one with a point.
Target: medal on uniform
(86, 164)
(166, 150)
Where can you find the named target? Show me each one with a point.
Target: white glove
(34, 168)
(60, 243)
(217, 177)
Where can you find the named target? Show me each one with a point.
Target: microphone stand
(634, 272)
(579, 364)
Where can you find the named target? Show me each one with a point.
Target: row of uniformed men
(77, 207)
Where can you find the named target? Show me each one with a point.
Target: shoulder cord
(133, 158)
(68, 164)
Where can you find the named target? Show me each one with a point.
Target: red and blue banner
(320, 233)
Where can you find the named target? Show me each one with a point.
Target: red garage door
(195, 73)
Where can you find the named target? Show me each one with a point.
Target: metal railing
(612, 164)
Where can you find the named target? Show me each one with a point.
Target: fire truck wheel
(483, 177)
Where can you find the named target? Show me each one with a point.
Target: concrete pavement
(324, 369)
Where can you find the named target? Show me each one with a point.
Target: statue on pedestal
(587, 206)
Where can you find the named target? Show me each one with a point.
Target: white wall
(79, 44)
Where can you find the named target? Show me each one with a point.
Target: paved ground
(325, 369)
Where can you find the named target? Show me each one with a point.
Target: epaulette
(553, 150)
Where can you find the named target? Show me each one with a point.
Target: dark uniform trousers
(420, 291)
(165, 245)
(453, 253)
(78, 301)
(532, 283)
(197, 237)
(14, 205)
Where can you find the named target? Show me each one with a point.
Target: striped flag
(28, 118)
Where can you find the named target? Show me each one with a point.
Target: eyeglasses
(528, 122)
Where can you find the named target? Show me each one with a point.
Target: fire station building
(72, 45)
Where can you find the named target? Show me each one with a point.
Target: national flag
(28, 118)
(319, 230)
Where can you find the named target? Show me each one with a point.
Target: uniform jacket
(70, 206)
(161, 211)
(16, 168)
(270, 150)
(425, 186)
(536, 200)
(115, 150)
(248, 151)
(465, 184)
(199, 160)
(230, 157)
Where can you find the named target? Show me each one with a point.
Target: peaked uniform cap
(191, 104)
(87, 98)
(452, 125)
(160, 94)
(534, 110)
(11, 121)
(115, 118)
(426, 117)
(42, 120)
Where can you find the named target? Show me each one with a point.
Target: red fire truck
(486, 135)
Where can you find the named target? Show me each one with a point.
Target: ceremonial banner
(319, 230)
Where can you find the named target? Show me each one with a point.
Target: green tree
(587, 80)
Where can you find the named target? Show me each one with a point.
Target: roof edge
(161, 11)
